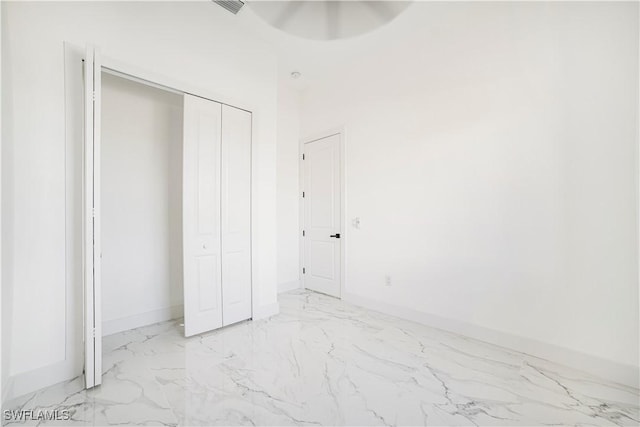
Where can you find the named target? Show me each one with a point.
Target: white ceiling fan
(323, 20)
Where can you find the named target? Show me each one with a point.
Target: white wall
(197, 43)
(288, 186)
(4, 352)
(6, 154)
(493, 163)
(141, 175)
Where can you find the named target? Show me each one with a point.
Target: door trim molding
(341, 130)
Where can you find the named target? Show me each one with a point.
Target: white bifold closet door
(216, 215)
(91, 245)
(236, 215)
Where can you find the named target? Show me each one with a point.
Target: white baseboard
(27, 382)
(131, 322)
(264, 311)
(619, 373)
(288, 286)
(6, 391)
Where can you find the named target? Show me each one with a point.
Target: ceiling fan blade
(333, 19)
(381, 9)
(287, 13)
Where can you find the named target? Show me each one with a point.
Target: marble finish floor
(325, 362)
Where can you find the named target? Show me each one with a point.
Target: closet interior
(175, 189)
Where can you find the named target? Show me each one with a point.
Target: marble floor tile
(322, 361)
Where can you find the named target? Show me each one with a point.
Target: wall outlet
(387, 280)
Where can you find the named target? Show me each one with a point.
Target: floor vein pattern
(322, 361)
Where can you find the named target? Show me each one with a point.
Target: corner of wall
(288, 286)
(265, 311)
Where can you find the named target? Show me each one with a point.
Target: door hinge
(93, 332)
(303, 233)
(304, 270)
(302, 156)
(303, 194)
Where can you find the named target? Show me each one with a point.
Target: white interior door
(322, 210)
(236, 215)
(201, 215)
(91, 221)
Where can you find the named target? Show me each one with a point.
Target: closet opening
(141, 204)
(166, 208)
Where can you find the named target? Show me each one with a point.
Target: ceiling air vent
(232, 6)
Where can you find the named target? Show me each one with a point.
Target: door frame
(341, 131)
(133, 73)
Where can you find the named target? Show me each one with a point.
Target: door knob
(337, 235)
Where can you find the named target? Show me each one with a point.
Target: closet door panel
(236, 214)
(201, 215)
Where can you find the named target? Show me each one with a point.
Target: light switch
(355, 222)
